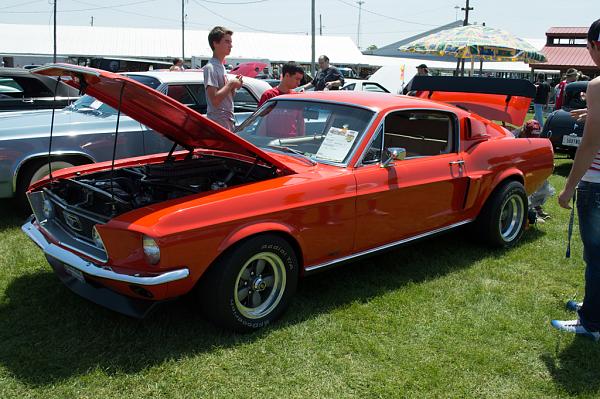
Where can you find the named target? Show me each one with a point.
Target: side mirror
(393, 154)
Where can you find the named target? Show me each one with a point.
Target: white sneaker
(575, 327)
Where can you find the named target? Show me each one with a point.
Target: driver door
(420, 194)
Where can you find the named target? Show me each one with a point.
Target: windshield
(90, 104)
(320, 131)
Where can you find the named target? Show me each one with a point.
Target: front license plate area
(572, 141)
(74, 273)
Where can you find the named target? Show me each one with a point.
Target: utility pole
(92, 21)
(183, 31)
(456, 8)
(312, 59)
(320, 26)
(54, 54)
(466, 9)
(360, 3)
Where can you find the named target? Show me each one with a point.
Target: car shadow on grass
(48, 334)
(563, 169)
(11, 215)
(575, 368)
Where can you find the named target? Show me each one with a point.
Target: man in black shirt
(328, 78)
(542, 94)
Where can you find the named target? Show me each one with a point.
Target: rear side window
(146, 80)
(374, 87)
(351, 86)
(421, 133)
(181, 94)
(243, 100)
(23, 87)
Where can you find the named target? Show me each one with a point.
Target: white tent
(100, 41)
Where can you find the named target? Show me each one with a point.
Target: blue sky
(382, 21)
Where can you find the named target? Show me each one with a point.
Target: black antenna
(112, 169)
(52, 129)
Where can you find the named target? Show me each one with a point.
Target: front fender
(253, 229)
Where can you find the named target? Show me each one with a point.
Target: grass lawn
(443, 318)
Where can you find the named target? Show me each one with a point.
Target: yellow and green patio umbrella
(476, 42)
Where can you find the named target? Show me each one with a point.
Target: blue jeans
(588, 211)
(539, 114)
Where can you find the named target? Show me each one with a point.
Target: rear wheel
(502, 221)
(251, 285)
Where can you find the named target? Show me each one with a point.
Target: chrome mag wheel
(512, 216)
(260, 285)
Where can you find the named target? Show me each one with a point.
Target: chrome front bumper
(91, 269)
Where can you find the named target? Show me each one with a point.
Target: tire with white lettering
(251, 285)
(502, 220)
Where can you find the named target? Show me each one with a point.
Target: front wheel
(502, 221)
(251, 285)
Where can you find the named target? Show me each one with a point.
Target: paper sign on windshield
(96, 104)
(337, 144)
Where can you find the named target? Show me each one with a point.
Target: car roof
(8, 71)
(192, 75)
(371, 100)
(171, 77)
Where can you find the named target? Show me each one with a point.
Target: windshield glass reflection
(320, 131)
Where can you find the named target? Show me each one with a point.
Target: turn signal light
(151, 250)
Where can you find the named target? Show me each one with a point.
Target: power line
(239, 23)
(386, 16)
(149, 16)
(20, 4)
(83, 9)
(233, 3)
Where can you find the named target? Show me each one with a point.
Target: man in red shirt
(571, 76)
(284, 122)
(292, 75)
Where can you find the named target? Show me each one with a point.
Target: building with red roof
(566, 48)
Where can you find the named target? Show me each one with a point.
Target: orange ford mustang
(309, 181)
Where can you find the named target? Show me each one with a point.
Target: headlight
(97, 239)
(151, 250)
(47, 209)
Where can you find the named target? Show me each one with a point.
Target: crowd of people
(546, 92)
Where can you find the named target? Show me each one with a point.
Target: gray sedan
(84, 131)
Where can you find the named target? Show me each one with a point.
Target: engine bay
(111, 193)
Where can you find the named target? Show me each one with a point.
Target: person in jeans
(219, 89)
(542, 95)
(586, 172)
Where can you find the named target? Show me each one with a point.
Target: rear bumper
(83, 278)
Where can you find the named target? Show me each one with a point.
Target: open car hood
(157, 111)
(505, 100)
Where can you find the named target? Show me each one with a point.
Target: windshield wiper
(88, 109)
(291, 150)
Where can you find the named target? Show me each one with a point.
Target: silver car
(84, 131)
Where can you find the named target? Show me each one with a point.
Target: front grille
(77, 225)
(71, 228)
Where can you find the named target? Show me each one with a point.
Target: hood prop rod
(112, 168)
(52, 129)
